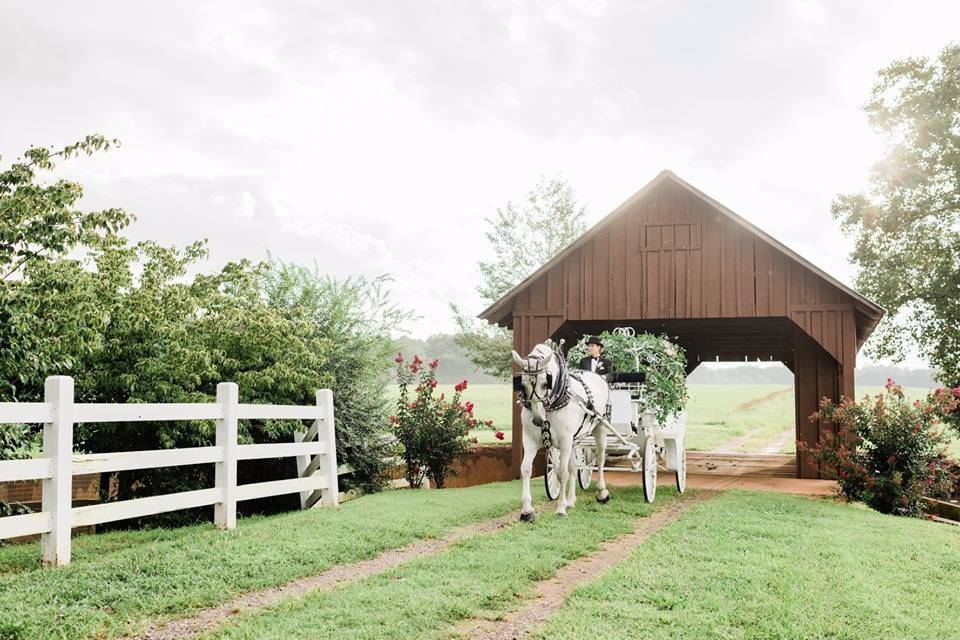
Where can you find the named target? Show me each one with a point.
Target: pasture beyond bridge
(315, 450)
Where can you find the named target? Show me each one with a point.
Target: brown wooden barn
(672, 259)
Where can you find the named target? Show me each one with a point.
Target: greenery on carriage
(663, 362)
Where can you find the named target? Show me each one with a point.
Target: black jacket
(604, 367)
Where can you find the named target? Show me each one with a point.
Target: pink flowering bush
(888, 452)
(432, 429)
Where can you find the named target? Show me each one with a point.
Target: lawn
(761, 565)
(744, 418)
(743, 565)
(118, 580)
(482, 576)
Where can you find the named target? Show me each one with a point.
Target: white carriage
(633, 434)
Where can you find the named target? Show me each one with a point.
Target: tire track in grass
(550, 594)
(480, 577)
(120, 582)
(333, 578)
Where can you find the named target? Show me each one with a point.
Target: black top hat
(595, 340)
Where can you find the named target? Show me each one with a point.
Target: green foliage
(39, 223)
(906, 229)
(663, 362)
(889, 452)
(526, 236)
(432, 430)
(42, 219)
(130, 325)
(353, 319)
(523, 237)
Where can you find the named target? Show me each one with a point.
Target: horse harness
(558, 394)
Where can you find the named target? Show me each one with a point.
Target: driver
(596, 361)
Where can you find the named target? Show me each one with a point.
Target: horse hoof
(561, 514)
(528, 517)
(604, 500)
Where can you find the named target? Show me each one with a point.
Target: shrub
(432, 430)
(887, 452)
(663, 362)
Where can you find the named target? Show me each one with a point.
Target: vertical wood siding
(671, 255)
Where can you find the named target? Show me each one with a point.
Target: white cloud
(376, 136)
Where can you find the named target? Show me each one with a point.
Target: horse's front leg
(566, 452)
(531, 444)
(572, 491)
(600, 437)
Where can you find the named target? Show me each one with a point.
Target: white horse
(559, 406)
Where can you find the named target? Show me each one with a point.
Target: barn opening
(742, 407)
(672, 260)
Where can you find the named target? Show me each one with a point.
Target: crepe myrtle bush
(664, 363)
(887, 452)
(433, 430)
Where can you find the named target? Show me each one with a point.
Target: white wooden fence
(315, 450)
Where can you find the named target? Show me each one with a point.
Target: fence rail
(315, 450)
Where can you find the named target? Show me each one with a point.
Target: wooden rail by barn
(673, 260)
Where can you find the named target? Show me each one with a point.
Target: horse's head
(537, 373)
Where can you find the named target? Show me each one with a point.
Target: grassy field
(743, 565)
(479, 577)
(756, 565)
(744, 418)
(118, 580)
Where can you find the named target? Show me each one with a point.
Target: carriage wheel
(682, 470)
(585, 460)
(650, 470)
(551, 479)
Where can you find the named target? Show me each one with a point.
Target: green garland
(663, 362)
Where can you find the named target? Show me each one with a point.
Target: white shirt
(593, 364)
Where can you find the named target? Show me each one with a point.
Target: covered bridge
(672, 259)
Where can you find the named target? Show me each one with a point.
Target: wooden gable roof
(671, 251)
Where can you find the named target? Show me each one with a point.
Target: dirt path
(549, 595)
(328, 580)
(750, 404)
(774, 446)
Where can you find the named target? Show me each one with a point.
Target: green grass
(760, 565)
(756, 414)
(482, 576)
(118, 580)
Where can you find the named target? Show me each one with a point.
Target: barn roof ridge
(488, 313)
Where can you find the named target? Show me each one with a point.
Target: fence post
(327, 434)
(58, 489)
(225, 511)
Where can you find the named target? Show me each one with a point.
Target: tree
(524, 237)
(906, 228)
(42, 219)
(130, 325)
(40, 222)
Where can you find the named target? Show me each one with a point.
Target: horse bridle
(555, 398)
(526, 401)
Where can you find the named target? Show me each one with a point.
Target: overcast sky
(374, 137)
